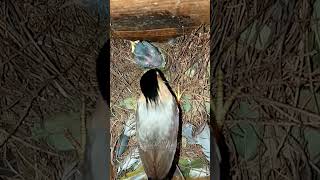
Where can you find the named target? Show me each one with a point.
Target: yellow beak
(133, 45)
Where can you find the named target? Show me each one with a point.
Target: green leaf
(244, 111)
(246, 140)
(207, 104)
(186, 103)
(316, 27)
(192, 70)
(197, 163)
(164, 57)
(38, 132)
(186, 165)
(129, 103)
(53, 131)
(244, 135)
(134, 174)
(312, 136)
(252, 31)
(306, 103)
(167, 75)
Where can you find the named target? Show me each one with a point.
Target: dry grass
(274, 79)
(48, 52)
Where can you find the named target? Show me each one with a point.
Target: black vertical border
(213, 18)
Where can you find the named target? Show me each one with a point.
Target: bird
(147, 55)
(157, 124)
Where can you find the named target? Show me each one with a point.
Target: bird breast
(157, 123)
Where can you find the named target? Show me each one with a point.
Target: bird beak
(133, 45)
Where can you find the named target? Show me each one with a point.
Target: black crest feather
(149, 84)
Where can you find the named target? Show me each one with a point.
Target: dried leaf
(186, 103)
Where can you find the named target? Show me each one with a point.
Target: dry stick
(316, 116)
(315, 167)
(29, 145)
(285, 114)
(74, 142)
(26, 113)
(7, 163)
(302, 151)
(305, 50)
(83, 130)
(295, 105)
(237, 34)
(219, 111)
(26, 31)
(294, 168)
(30, 164)
(270, 122)
(54, 78)
(311, 84)
(283, 140)
(310, 72)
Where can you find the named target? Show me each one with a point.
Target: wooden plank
(152, 35)
(157, 19)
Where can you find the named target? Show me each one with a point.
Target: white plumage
(156, 121)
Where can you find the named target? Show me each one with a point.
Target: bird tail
(157, 163)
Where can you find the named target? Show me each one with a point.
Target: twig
(316, 116)
(26, 112)
(74, 142)
(29, 145)
(29, 163)
(83, 129)
(315, 167)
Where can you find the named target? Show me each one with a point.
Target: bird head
(155, 87)
(147, 55)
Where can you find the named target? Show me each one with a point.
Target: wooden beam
(157, 20)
